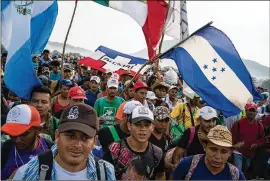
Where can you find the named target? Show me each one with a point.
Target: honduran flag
(150, 15)
(26, 28)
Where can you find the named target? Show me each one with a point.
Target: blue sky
(245, 22)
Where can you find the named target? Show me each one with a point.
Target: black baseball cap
(80, 118)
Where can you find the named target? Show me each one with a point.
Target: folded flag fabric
(26, 28)
(107, 59)
(212, 67)
(151, 16)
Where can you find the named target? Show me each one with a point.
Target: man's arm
(178, 153)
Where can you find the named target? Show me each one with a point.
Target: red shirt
(249, 133)
(58, 107)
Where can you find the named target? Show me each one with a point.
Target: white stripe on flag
(227, 83)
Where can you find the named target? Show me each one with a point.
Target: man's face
(55, 69)
(216, 156)
(4, 58)
(47, 74)
(173, 93)
(94, 85)
(93, 72)
(161, 125)
(67, 74)
(206, 125)
(46, 56)
(195, 101)
(130, 92)
(140, 95)
(251, 113)
(74, 147)
(160, 92)
(108, 75)
(126, 78)
(42, 102)
(112, 91)
(76, 101)
(141, 131)
(26, 141)
(64, 91)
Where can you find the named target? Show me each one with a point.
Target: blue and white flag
(211, 66)
(26, 28)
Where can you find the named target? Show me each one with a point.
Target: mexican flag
(150, 15)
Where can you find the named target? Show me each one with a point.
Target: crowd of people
(85, 124)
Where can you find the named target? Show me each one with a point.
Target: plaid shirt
(31, 172)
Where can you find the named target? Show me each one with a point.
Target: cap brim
(221, 143)
(110, 86)
(209, 117)
(135, 120)
(14, 129)
(152, 98)
(68, 126)
(148, 88)
(79, 97)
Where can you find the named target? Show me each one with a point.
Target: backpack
(234, 172)
(6, 146)
(114, 133)
(46, 163)
(169, 154)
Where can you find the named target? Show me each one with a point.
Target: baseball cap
(141, 113)
(130, 106)
(112, 83)
(45, 69)
(115, 76)
(208, 113)
(80, 118)
(251, 106)
(95, 78)
(174, 87)
(151, 95)
(68, 67)
(161, 112)
(20, 119)
(109, 71)
(77, 93)
(140, 85)
(66, 82)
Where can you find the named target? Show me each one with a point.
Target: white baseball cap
(142, 113)
(95, 78)
(208, 113)
(130, 106)
(151, 95)
(112, 83)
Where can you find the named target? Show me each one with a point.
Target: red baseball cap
(77, 93)
(140, 85)
(20, 119)
(251, 106)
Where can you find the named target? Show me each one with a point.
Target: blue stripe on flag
(20, 76)
(113, 54)
(200, 84)
(226, 50)
(4, 4)
(41, 28)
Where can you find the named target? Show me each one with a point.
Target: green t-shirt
(106, 110)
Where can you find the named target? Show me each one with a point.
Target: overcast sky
(245, 22)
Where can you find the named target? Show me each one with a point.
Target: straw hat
(219, 135)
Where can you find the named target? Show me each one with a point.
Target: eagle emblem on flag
(24, 7)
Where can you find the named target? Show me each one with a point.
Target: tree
(266, 84)
(254, 80)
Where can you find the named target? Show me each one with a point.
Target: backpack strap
(195, 160)
(45, 165)
(191, 115)
(5, 151)
(234, 172)
(114, 133)
(191, 135)
(49, 143)
(100, 169)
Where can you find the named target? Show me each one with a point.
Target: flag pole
(164, 53)
(65, 42)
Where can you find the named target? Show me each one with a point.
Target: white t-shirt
(62, 174)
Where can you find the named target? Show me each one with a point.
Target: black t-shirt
(121, 155)
(163, 143)
(105, 136)
(195, 147)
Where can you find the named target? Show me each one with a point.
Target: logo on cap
(73, 113)
(79, 91)
(143, 110)
(14, 113)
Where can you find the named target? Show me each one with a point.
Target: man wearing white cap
(110, 134)
(189, 142)
(172, 99)
(151, 97)
(92, 93)
(106, 107)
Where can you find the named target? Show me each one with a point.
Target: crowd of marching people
(90, 125)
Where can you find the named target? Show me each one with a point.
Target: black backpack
(46, 163)
(6, 146)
